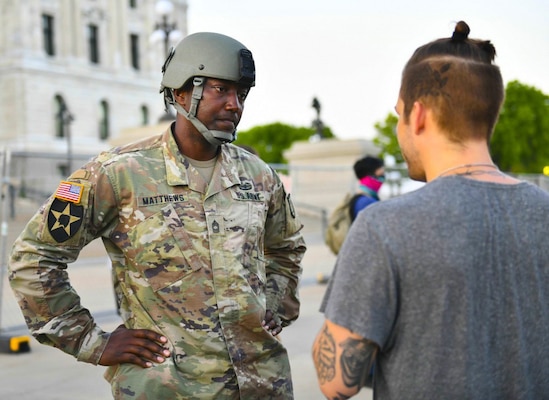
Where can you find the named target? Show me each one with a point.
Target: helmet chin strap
(216, 138)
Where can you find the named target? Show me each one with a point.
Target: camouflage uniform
(197, 263)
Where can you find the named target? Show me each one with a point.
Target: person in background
(370, 172)
(205, 246)
(446, 288)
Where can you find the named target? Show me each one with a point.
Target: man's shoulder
(441, 196)
(131, 149)
(406, 199)
(247, 160)
(399, 209)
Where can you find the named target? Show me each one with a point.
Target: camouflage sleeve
(38, 269)
(284, 249)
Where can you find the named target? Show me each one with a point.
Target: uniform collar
(180, 172)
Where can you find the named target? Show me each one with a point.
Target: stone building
(75, 73)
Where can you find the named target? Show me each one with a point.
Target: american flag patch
(69, 191)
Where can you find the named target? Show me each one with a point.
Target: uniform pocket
(252, 254)
(155, 251)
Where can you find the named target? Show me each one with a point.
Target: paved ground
(48, 374)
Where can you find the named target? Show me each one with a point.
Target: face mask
(373, 182)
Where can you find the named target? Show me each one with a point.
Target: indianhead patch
(69, 191)
(64, 219)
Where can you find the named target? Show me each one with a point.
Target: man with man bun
(444, 290)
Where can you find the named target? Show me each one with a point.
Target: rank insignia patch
(64, 219)
(69, 191)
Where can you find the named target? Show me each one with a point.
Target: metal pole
(167, 31)
(8, 343)
(69, 146)
(4, 190)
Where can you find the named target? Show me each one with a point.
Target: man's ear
(418, 116)
(180, 96)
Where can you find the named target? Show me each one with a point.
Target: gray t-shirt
(452, 282)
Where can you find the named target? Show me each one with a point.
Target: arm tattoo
(325, 357)
(356, 360)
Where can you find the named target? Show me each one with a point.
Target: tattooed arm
(342, 360)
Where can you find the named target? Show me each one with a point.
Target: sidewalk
(49, 374)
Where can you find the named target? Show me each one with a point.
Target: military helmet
(210, 55)
(201, 56)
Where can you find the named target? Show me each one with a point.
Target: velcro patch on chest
(247, 196)
(147, 201)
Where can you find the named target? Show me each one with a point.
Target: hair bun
(461, 32)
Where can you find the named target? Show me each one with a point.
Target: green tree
(386, 138)
(521, 138)
(270, 141)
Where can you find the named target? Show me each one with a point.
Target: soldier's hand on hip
(271, 324)
(142, 347)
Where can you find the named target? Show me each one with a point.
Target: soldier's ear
(180, 96)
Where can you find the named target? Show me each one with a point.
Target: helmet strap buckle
(198, 89)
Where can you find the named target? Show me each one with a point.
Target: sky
(349, 54)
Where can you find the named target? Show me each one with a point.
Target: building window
(104, 131)
(93, 43)
(134, 46)
(133, 3)
(144, 115)
(62, 119)
(59, 117)
(48, 34)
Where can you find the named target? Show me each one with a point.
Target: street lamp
(164, 30)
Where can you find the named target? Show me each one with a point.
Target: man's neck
(447, 158)
(191, 143)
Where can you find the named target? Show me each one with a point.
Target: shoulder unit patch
(64, 219)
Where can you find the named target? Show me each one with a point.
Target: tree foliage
(521, 138)
(270, 141)
(386, 138)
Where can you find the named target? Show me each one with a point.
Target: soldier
(204, 242)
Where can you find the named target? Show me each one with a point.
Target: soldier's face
(222, 104)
